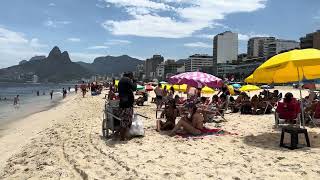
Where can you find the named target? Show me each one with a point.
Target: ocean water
(29, 102)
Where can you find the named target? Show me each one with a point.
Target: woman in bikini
(170, 113)
(192, 123)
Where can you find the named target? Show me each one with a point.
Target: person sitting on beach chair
(192, 123)
(140, 101)
(246, 107)
(288, 110)
(236, 104)
(217, 107)
(170, 113)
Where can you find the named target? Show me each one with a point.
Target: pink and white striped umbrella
(196, 79)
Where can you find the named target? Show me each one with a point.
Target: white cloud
(198, 44)
(147, 20)
(74, 39)
(36, 44)
(97, 47)
(55, 23)
(52, 4)
(85, 57)
(316, 17)
(139, 3)
(207, 36)
(15, 46)
(117, 42)
(246, 37)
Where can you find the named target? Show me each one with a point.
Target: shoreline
(6, 123)
(18, 132)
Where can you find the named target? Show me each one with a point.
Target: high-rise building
(197, 62)
(311, 40)
(225, 48)
(267, 47)
(151, 66)
(257, 46)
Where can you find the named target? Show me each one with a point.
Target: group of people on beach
(196, 110)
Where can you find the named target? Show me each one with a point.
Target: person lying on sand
(170, 113)
(192, 123)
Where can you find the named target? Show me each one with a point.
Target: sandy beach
(66, 142)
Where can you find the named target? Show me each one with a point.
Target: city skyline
(140, 28)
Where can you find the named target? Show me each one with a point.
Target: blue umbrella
(236, 86)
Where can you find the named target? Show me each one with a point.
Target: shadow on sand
(271, 141)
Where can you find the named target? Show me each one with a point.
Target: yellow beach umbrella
(167, 85)
(231, 90)
(207, 90)
(291, 66)
(249, 88)
(180, 88)
(249, 79)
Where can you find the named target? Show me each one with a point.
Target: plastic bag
(137, 128)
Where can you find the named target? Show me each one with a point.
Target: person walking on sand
(64, 93)
(83, 88)
(126, 87)
(51, 94)
(16, 100)
(76, 88)
(159, 96)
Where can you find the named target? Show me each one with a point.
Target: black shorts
(159, 97)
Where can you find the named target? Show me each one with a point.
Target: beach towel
(206, 132)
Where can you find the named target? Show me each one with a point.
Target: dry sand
(65, 143)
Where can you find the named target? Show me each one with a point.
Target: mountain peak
(55, 52)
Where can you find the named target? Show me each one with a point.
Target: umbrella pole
(301, 102)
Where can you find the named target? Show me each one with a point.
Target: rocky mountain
(57, 67)
(112, 65)
(22, 62)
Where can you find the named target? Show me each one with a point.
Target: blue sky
(141, 28)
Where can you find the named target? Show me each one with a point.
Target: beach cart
(111, 120)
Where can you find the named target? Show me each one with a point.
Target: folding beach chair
(288, 112)
(315, 117)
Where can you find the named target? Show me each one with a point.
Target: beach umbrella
(149, 87)
(231, 90)
(249, 79)
(237, 86)
(180, 88)
(139, 87)
(167, 85)
(207, 90)
(196, 79)
(291, 66)
(249, 88)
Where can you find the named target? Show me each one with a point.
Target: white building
(181, 69)
(225, 47)
(198, 62)
(160, 70)
(284, 45)
(35, 79)
(269, 46)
